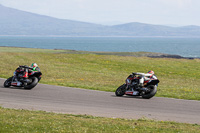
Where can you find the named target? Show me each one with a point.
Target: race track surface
(98, 103)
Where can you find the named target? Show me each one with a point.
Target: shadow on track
(12, 87)
(126, 96)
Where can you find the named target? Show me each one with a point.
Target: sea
(183, 46)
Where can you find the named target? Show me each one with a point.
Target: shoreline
(185, 47)
(142, 53)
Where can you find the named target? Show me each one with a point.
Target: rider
(146, 76)
(33, 67)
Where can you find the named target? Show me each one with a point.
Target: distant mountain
(140, 29)
(16, 22)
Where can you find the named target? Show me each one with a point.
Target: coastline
(185, 47)
(134, 54)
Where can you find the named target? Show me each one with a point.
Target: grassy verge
(39, 121)
(179, 78)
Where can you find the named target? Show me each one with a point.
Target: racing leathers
(144, 77)
(29, 70)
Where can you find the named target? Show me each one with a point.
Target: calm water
(187, 47)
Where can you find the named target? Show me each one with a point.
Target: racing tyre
(32, 84)
(120, 90)
(152, 89)
(7, 83)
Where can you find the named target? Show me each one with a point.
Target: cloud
(178, 3)
(147, 11)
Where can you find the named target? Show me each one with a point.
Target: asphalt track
(98, 103)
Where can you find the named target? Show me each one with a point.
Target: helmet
(34, 65)
(151, 72)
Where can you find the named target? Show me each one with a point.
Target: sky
(110, 12)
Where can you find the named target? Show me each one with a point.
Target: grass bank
(38, 121)
(179, 78)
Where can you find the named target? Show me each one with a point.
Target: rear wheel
(151, 91)
(7, 83)
(32, 84)
(120, 90)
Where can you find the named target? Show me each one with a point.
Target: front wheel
(120, 90)
(7, 83)
(32, 84)
(151, 91)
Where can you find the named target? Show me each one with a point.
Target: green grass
(105, 71)
(180, 78)
(12, 120)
